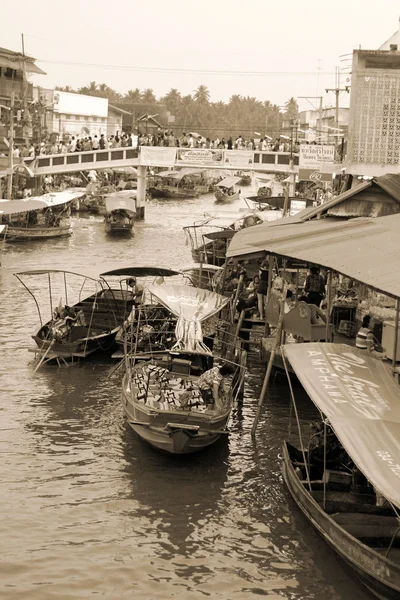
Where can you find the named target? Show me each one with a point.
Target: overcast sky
(208, 35)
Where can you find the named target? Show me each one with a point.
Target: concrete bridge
(53, 164)
(154, 156)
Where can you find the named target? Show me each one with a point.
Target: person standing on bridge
(95, 143)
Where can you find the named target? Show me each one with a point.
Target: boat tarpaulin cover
(228, 182)
(361, 400)
(191, 303)
(116, 202)
(10, 207)
(192, 306)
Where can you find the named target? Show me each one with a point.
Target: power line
(186, 71)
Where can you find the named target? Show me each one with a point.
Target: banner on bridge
(242, 159)
(316, 162)
(202, 157)
(157, 156)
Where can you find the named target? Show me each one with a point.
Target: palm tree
(66, 88)
(186, 110)
(148, 97)
(291, 109)
(172, 100)
(202, 95)
(133, 96)
(89, 90)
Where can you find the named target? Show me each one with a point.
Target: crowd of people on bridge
(161, 137)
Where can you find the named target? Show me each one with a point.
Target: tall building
(374, 122)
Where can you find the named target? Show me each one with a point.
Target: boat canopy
(11, 207)
(187, 302)
(35, 272)
(205, 267)
(140, 272)
(117, 202)
(225, 234)
(361, 400)
(3, 229)
(366, 249)
(182, 173)
(228, 182)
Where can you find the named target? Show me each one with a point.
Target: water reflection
(88, 508)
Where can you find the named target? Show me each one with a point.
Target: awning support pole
(297, 419)
(324, 476)
(270, 364)
(269, 290)
(396, 333)
(328, 306)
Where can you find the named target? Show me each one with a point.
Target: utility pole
(337, 91)
(308, 98)
(24, 95)
(11, 150)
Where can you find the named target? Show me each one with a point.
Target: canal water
(88, 510)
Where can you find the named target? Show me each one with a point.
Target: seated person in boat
(211, 381)
(365, 339)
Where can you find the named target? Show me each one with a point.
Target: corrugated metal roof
(365, 249)
(389, 183)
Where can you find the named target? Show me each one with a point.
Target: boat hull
(175, 432)
(124, 228)
(179, 193)
(219, 197)
(80, 348)
(380, 575)
(37, 233)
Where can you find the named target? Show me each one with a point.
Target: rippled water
(89, 510)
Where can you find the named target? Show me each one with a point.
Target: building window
(86, 118)
(77, 117)
(95, 119)
(68, 117)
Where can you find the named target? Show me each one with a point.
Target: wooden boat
(209, 239)
(39, 217)
(226, 191)
(160, 397)
(185, 183)
(245, 178)
(156, 330)
(354, 508)
(120, 212)
(88, 325)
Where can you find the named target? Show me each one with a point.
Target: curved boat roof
(140, 272)
(118, 202)
(361, 400)
(11, 207)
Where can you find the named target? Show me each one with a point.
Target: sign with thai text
(200, 156)
(316, 162)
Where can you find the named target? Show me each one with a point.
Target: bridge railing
(120, 157)
(84, 160)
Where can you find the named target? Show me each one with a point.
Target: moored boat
(245, 178)
(39, 217)
(347, 481)
(161, 397)
(226, 190)
(76, 330)
(120, 212)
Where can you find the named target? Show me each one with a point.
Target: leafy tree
(148, 97)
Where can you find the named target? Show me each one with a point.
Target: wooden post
(236, 297)
(396, 333)
(328, 306)
(269, 291)
(279, 328)
(141, 192)
(11, 151)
